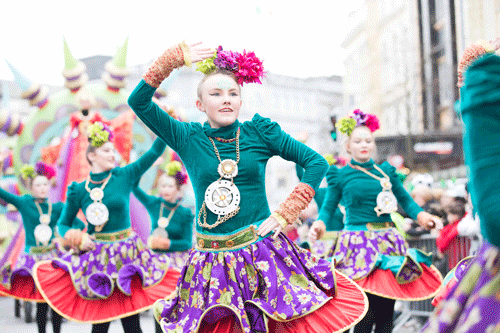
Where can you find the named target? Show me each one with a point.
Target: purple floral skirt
(382, 264)
(96, 273)
(178, 259)
(261, 282)
(473, 304)
(17, 281)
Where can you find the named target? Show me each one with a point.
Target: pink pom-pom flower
(250, 68)
(372, 122)
(44, 169)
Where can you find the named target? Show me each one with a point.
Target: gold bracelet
(150, 242)
(281, 220)
(187, 54)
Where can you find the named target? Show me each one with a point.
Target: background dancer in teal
(238, 277)
(369, 249)
(171, 223)
(473, 304)
(111, 274)
(42, 241)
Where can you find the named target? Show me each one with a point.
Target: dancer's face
(40, 187)
(103, 158)
(361, 144)
(220, 99)
(167, 188)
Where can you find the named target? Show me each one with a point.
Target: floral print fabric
(96, 273)
(269, 278)
(473, 304)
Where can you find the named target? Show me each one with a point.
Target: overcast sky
(296, 38)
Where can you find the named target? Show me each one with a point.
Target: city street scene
(250, 166)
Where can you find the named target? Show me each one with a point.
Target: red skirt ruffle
(345, 310)
(57, 289)
(383, 283)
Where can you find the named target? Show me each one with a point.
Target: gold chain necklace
(42, 232)
(43, 217)
(97, 213)
(223, 196)
(386, 201)
(164, 221)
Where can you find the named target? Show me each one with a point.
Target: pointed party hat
(116, 69)
(74, 70)
(35, 93)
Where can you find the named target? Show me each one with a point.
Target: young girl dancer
(41, 240)
(111, 274)
(238, 277)
(172, 223)
(369, 249)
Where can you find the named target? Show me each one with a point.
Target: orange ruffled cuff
(162, 67)
(296, 202)
(472, 53)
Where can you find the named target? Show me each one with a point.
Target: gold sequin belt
(216, 243)
(113, 236)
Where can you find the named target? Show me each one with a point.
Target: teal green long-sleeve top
(480, 109)
(260, 139)
(358, 192)
(116, 193)
(31, 217)
(180, 228)
(336, 223)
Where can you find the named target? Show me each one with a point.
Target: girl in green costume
(244, 274)
(110, 274)
(369, 249)
(171, 223)
(42, 241)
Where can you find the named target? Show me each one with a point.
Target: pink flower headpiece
(45, 169)
(246, 66)
(358, 118)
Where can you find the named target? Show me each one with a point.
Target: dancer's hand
(198, 53)
(316, 231)
(159, 243)
(270, 224)
(429, 221)
(87, 243)
(73, 237)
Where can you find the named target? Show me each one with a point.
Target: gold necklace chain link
(203, 209)
(237, 147)
(105, 182)
(40, 211)
(172, 211)
(360, 168)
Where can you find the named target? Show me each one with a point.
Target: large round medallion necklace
(386, 201)
(222, 197)
(163, 222)
(43, 233)
(97, 213)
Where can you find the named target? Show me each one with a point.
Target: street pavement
(10, 324)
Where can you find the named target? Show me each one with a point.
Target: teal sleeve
(290, 149)
(300, 171)
(10, 198)
(136, 169)
(332, 197)
(173, 132)
(186, 240)
(142, 196)
(68, 216)
(404, 199)
(319, 196)
(480, 108)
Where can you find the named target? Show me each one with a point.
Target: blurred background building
(401, 60)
